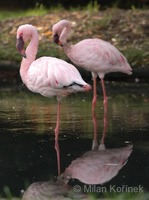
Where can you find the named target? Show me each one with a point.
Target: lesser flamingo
(95, 55)
(48, 76)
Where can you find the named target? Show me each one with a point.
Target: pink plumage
(98, 56)
(97, 166)
(95, 55)
(48, 76)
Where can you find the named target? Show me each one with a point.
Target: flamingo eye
(56, 38)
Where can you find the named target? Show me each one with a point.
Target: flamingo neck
(63, 38)
(64, 34)
(67, 47)
(31, 52)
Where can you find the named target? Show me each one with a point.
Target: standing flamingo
(95, 55)
(48, 76)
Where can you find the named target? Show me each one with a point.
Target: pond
(29, 153)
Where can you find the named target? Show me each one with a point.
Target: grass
(113, 196)
(137, 55)
(39, 10)
(122, 196)
(128, 196)
(92, 6)
(140, 195)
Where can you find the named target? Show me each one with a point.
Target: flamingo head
(60, 32)
(66, 176)
(20, 46)
(24, 33)
(57, 40)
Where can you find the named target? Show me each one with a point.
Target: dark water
(27, 144)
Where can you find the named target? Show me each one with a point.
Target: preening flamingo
(52, 190)
(98, 166)
(95, 55)
(48, 76)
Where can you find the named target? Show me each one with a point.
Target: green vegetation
(122, 196)
(9, 14)
(137, 57)
(128, 196)
(40, 10)
(107, 196)
(126, 29)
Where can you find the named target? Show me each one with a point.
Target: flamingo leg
(104, 93)
(57, 121)
(58, 156)
(105, 119)
(95, 144)
(94, 94)
(56, 137)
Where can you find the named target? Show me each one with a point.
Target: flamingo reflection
(99, 165)
(105, 124)
(58, 156)
(53, 190)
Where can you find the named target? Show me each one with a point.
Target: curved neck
(32, 48)
(31, 52)
(64, 34)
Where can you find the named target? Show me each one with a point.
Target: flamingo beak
(20, 46)
(56, 40)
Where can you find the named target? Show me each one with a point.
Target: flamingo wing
(98, 56)
(49, 76)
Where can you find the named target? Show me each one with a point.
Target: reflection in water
(94, 167)
(100, 164)
(51, 190)
(56, 190)
(58, 157)
(27, 119)
(30, 114)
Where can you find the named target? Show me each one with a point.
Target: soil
(128, 30)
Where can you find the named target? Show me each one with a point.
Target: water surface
(27, 145)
